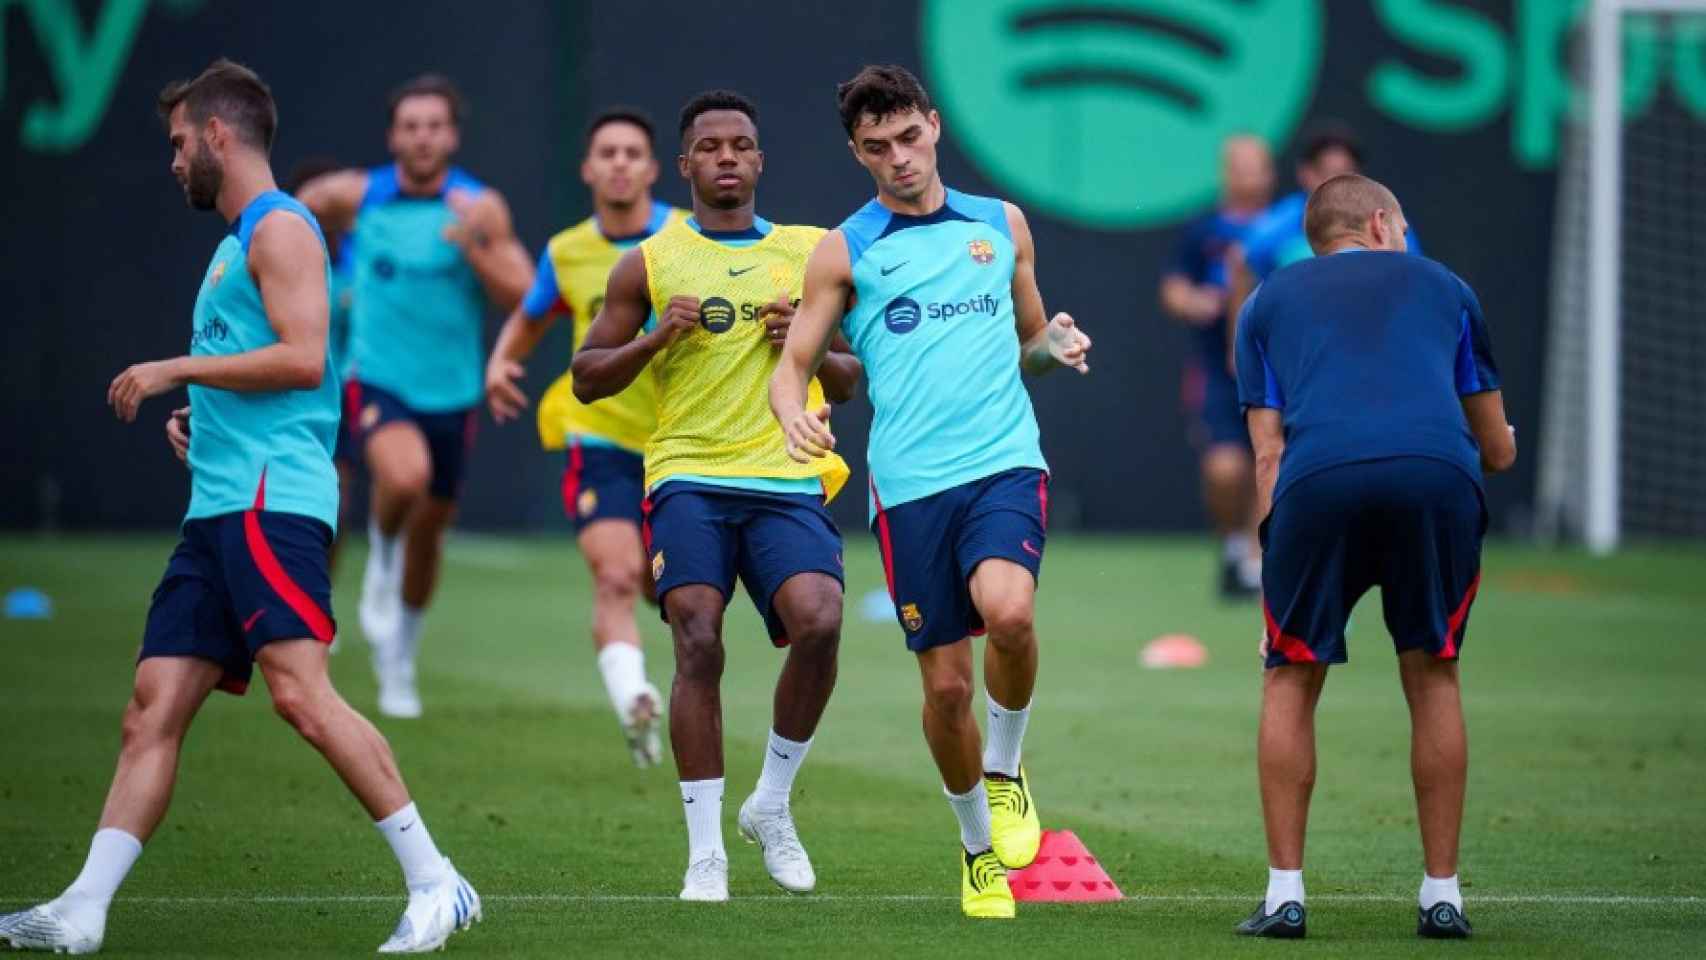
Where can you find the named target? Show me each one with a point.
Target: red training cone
(1064, 872)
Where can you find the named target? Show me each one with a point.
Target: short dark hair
(428, 85)
(709, 100)
(1342, 206)
(880, 90)
(1330, 135)
(233, 93)
(621, 114)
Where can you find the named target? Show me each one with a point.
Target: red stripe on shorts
(1290, 647)
(1454, 626)
(572, 480)
(885, 545)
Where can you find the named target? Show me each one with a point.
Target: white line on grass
(1517, 898)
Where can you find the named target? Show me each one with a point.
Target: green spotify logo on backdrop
(1111, 114)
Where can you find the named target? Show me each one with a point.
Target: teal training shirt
(256, 451)
(933, 324)
(416, 321)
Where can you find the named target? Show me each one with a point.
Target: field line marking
(1534, 899)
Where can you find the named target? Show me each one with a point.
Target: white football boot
(434, 914)
(784, 855)
(43, 928)
(707, 880)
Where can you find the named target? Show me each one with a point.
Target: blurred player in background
(433, 246)
(1276, 238)
(248, 582)
(937, 293)
(338, 247)
(1194, 293)
(604, 478)
(704, 306)
(1374, 407)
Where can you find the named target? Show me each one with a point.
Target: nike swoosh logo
(1033, 551)
(411, 824)
(250, 623)
(686, 799)
(779, 753)
(885, 271)
(735, 273)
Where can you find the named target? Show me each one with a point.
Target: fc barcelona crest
(587, 503)
(982, 251)
(910, 618)
(218, 273)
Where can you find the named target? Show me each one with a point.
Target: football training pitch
(1585, 835)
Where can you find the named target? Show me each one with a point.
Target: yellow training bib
(583, 258)
(713, 382)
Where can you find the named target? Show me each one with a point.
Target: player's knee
(698, 646)
(408, 479)
(617, 580)
(298, 708)
(948, 694)
(1010, 622)
(816, 631)
(141, 726)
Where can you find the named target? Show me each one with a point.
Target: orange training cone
(1064, 872)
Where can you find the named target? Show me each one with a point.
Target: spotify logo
(1111, 114)
(716, 315)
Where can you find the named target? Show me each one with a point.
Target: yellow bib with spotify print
(583, 258)
(713, 382)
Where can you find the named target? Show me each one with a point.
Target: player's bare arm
(485, 232)
(517, 339)
(335, 199)
(1240, 283)
(1044, 344)
(614, 352)
(1193, 304)
(289, 265)
(828, 285)
(1493, 433)
(1267, 437)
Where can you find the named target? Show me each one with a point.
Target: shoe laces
(778, 836)
(706, 871)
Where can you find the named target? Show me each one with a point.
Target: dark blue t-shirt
(1201, 259)
(1367, 355)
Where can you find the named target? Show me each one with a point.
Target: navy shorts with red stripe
(1211, 402)
(603, 483)
(449, 436)
(237, 582)
(702, 534)
(931, 546)
(1411, 526)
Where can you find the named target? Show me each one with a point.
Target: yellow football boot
(984, 894)
(1013, 825)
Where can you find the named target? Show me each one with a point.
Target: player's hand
(138, 383)
(778, 316)
(680, 316)
(178, 433)
(503, 397)
(808, 435)
(1068, 345)
(1205, 306)
(473, 225)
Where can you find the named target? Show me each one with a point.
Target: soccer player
(724, 498)
(1193, 292)
(604, 473)
(248, 581)
(433, 246)
(937, 292)
(1374, 407)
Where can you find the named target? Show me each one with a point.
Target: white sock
(111, 854)
(1284, 886)
(972, 810)
(1235, 547)
(703, 802)
(422, 864)
(781, 763)
(1437, 890)
(1006, 733)
(624, 670)
(409, 634)
(382, 551)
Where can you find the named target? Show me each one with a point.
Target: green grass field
(1586, 831)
